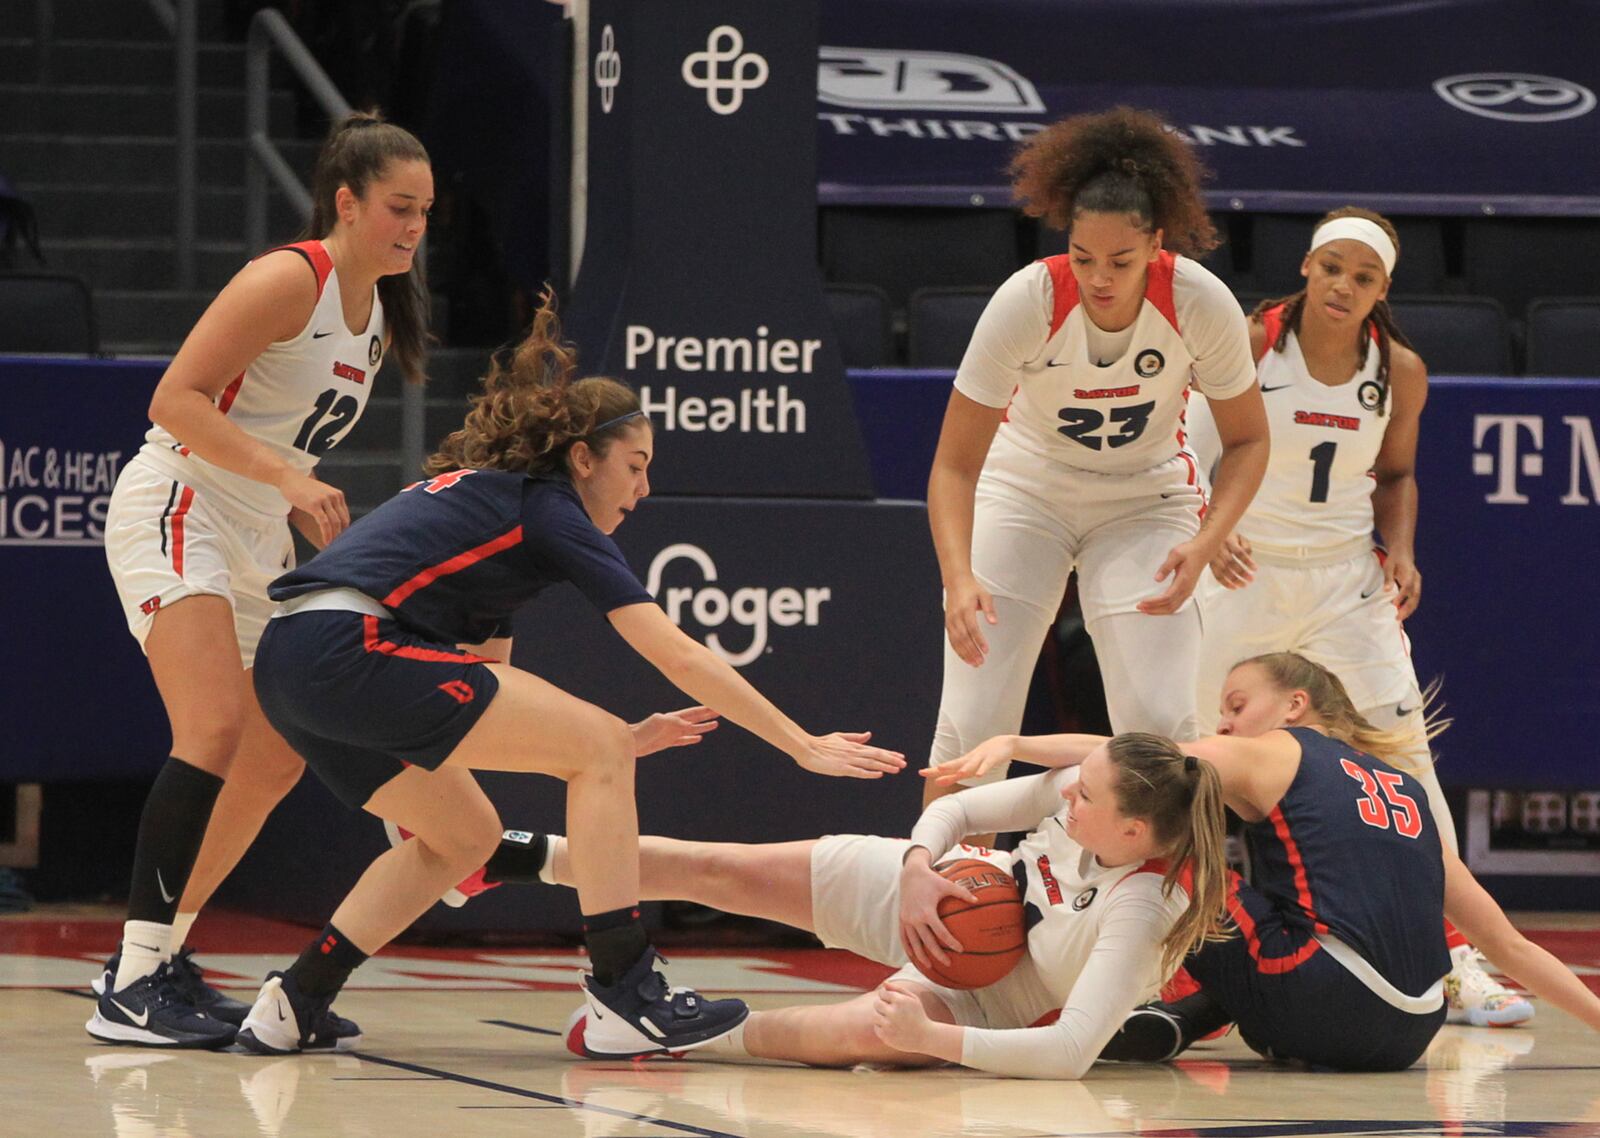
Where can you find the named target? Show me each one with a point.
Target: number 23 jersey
(1034, 353)
(300, 397)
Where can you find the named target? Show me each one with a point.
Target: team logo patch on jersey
(1052, 890)
(1370, 395)
(1083, 900)
(353, 374)
(374, 351)
(458, 690)
(1149, 363)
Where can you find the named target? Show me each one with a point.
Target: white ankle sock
(547, 871)
(144, 949)
(181, 924)
(727, 1045)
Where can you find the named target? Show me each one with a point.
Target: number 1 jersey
(300, 397)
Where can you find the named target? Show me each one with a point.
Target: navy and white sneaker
(1152, 1033)
(641, 1015)
(150, 1012)
(284, 1021)
(190, 980)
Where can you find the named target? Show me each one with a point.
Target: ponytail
(1181, 796)
(531, 411)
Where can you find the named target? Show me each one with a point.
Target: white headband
(1358, 229)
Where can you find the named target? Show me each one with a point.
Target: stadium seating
(1457, 335)
(1563, 337)
(861, 319)
(46, 312)
(939, 323)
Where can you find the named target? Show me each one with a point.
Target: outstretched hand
(845, 754)
(667, 729)
(977, 762)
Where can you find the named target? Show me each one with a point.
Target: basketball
(989, 928)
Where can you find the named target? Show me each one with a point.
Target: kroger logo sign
(922, 80)
(1513, 96)
(711, 607)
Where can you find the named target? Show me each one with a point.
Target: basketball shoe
(190, 980)
(468, 887)
(640, 1016)
(284, 1020)
(150, 1012)
(1477, 998)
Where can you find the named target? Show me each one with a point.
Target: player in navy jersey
(275, 372)
(1340, 956)
(362, 670)
(1064, 448)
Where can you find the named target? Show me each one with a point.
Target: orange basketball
(990, 928)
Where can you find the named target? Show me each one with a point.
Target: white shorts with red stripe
(166, 541)
(1035, 520)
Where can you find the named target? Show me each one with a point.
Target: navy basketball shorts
(360, 699)
(1292, 1000)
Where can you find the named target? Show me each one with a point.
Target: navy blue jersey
(454, 556)
(1352, 849)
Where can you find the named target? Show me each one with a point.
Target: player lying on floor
(1341, 956)
(1106, 920)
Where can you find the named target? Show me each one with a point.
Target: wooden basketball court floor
(468, 1042)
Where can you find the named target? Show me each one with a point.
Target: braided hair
(1379, 325)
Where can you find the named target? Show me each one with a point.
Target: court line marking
(558, 1100)
(520, 1027)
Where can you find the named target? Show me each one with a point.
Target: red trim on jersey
(316, 256)
(455, 565)
(1065, 288)
(1271, 324)
(373, 643)
(1291, 849)
(177, 529)
(1158, 287)
(1047, 1019)
(1269, 965)
(230, 393)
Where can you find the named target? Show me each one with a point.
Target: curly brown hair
(1118, 161)
(531, 411)
(1380, 323)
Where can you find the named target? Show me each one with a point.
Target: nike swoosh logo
(1402, 710)
(319, 335)
(1280, 387)
(1369, 592)
(162, 885)
(1180, 494)
(279, 1009)
(139, 1020)
(1055, 363)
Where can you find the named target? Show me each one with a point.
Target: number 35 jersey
(1035, 353)
(1317, 492)
(300, 397)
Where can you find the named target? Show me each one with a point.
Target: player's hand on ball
(899, 1019)
(667, 729)
(846, 754)
(1233, 567)
(963, 601)
(922, 933)
(1183, 565)
(979, 761)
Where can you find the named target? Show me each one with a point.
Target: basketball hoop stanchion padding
(699, 282)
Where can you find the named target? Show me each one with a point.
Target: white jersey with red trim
(1317, 493)
(301, 397)
(1033, 352)
(1094, 931)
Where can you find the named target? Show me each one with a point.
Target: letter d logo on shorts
(756, 608)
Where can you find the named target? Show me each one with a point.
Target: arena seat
(901, 250)
(1515, 260)
(939, 323)
(1457, 335)
(1563, 337)
(1278, 246)
(861, 318)
(46, 312)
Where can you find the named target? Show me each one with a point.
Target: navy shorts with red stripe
(1292, 1000)
(360, 699)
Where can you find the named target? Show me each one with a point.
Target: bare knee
(210, 744)
(469, 838)
(610, 755)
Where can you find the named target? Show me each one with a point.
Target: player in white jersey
(1064, 443)
(1344, 393)
(275, 372)
(1119, 880)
